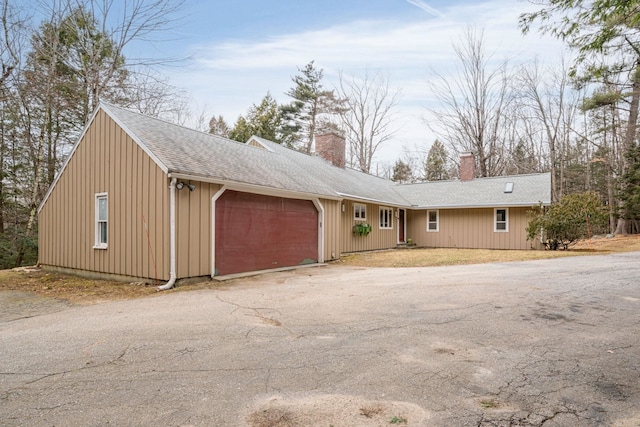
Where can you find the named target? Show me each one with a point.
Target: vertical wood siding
(470, 228)
(108, 160)
(331, 226)
(193, 229)
(377, 239)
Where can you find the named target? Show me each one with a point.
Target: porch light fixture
(181, 185)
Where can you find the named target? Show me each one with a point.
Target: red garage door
(255, 232)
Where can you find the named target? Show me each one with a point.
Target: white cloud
(424, 6)
(228, 76)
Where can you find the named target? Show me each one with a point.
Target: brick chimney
(331, 147)
(467, 166)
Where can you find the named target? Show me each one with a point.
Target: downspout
(172, 237)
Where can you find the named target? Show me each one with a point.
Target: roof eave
(372, 200)
(481, 206)
(253, 188)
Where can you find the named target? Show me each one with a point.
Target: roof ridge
(148, 117)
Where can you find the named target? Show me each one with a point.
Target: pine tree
(310, 109)
(630, 194)
(402, 172)
(263, 120)
(436, 167)
(218, 126)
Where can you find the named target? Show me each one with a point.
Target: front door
(401, 227)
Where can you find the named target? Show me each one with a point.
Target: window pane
(433, 216)
(102, 209)
(103, 232)
(501, 226)
(501, 215)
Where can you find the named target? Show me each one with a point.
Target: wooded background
(578, 121)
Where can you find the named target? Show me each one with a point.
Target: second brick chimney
(467, 166)
(331, 147)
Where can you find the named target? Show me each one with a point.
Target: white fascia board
(254, 188)
(496, 205)
(371, 200)
(137, 140)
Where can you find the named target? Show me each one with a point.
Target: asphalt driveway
(552, 342)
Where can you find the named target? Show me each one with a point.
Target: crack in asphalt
(256, 311)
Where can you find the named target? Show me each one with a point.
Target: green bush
(562, 224)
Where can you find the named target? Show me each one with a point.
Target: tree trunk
(33, 202)
(621, 228)
(630, 136)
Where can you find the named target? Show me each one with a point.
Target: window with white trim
(433, 224)
(102, 217)
(501, 220)
(386, 218)
(359, 212)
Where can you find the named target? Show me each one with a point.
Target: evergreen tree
(310, 109)
(630, 194)
(402, 172)
(218, 126)
(263, 120)
(436, 168)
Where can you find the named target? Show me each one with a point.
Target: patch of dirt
(428, 257)
(334, 410)
(72, 289)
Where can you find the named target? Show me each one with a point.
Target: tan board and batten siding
(470, 228)
(108, 160)
(193, 229)
(331, 228)
(377, 239)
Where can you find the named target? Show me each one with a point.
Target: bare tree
(151, 94)
(13, 35)
(12, 27)
(103, 28)
(552, 106)
(369, 104)
(473, 105)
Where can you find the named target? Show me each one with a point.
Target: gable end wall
(108, 160)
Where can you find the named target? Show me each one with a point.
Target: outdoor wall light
(181, 185)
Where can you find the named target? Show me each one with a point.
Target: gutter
(255, 188)
(172, 237)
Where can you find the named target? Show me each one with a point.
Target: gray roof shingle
(185, 151)
(528, 190)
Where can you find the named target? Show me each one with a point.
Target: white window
(432, 221)
(386, 218)
(359, 212)
(102, 210)
(501, 217)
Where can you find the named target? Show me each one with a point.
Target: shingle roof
(528, 190)
(180, 150)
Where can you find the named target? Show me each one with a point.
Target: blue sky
(240, 49)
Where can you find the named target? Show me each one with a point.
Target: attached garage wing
(257, 232)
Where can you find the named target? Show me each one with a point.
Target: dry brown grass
(422, 257)
(74, 289)
(80, 290)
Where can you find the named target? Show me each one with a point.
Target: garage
(258, 232)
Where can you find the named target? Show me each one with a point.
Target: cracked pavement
(538, 343)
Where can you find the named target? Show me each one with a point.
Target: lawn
(80, 290)
(423, 257)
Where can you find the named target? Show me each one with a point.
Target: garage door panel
(256, 232)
